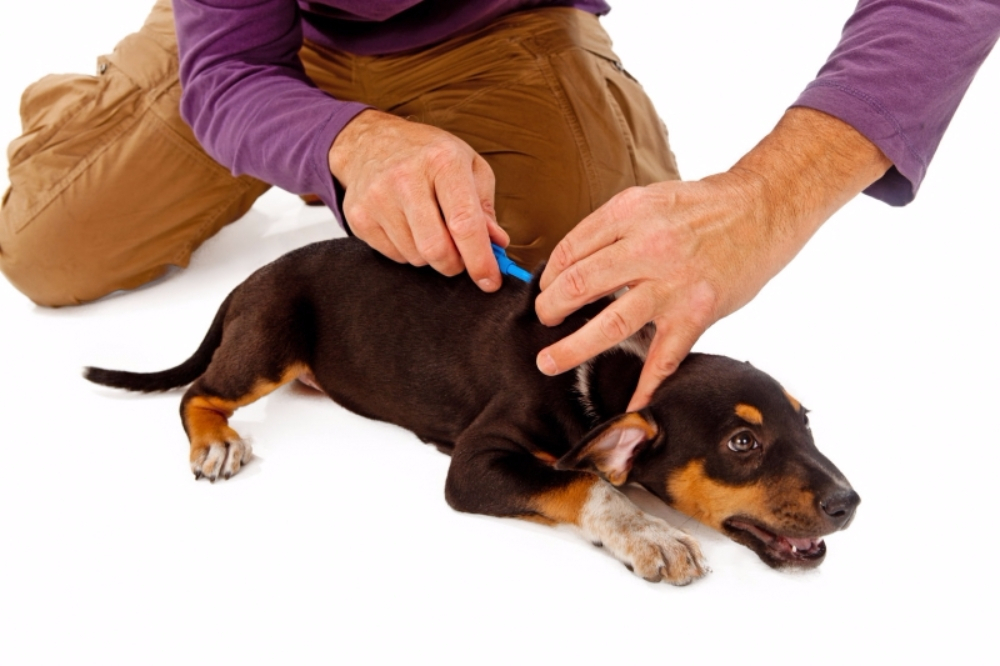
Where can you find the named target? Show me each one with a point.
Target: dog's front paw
(646, 545)
(220, 459)
(658, 552)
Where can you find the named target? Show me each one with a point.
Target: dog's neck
(605, 384)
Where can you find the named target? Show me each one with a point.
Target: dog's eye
(742, 442)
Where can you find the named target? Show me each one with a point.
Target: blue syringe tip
(507, 265)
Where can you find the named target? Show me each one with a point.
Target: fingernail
(487, 284)
(546, 364)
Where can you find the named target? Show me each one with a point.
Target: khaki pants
(109, 187)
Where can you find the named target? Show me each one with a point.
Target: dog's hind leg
(216, 449)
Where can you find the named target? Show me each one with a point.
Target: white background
(336, 544)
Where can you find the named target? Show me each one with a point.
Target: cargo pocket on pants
(67, 120)
(108, 185)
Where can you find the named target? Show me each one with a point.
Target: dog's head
(723, 442)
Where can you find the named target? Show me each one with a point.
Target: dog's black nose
(839, 506)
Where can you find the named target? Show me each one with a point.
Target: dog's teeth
(794, 549)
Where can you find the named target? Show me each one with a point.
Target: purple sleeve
(898, 75)
(247, 98)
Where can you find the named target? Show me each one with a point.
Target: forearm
(247, 97)
(898, 75)
(799, 175)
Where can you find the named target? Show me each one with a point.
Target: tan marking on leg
(207, 422)
(217, 449)
(541, 520)
(207, 417)
(564, 504)
(749, 413)
(795, 403)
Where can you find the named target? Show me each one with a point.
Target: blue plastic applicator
(507, 265)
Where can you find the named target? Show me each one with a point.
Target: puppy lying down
(721, 441)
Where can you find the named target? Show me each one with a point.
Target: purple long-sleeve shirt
(898, 75)
(248, 99)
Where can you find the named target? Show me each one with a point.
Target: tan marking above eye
(795, 403)
(749, 413)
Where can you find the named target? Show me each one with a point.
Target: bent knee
(55, 269)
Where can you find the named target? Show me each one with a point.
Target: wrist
(809, 166)
(800, 174)
(347, 147)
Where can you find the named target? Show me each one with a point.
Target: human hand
(418, 195)
(694, 252)
(690, 253)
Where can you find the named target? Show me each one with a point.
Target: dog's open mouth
(776, 550)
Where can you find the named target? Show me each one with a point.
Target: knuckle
(613, 325)
(437, 252)
(402, 185)
(379, 195)
(665, 365)
(574, 286)
(442, 154)
(629, 200)
(562, 255)
(399, 172)
(431, 249)
(702, 304)
(359, 218)
(463, 223)
(488, 208)
(484, 172)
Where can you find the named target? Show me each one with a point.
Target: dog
(720, 441)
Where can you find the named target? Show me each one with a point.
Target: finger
(666, 352)
(595, 232)
(468, 223)
(366, 227)
(612, 325)
(594, 277)
(430, 236)
(485, 181)
(377, 240)
(394, 224)
(498, 234)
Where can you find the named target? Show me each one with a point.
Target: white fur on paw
(647, 545)
(221, 459)
(659, 552)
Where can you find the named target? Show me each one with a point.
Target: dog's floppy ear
(611, 447)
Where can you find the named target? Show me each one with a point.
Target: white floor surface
(336, 545)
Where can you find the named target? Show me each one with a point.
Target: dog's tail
(185, 373)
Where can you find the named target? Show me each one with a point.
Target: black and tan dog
(721, 441)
